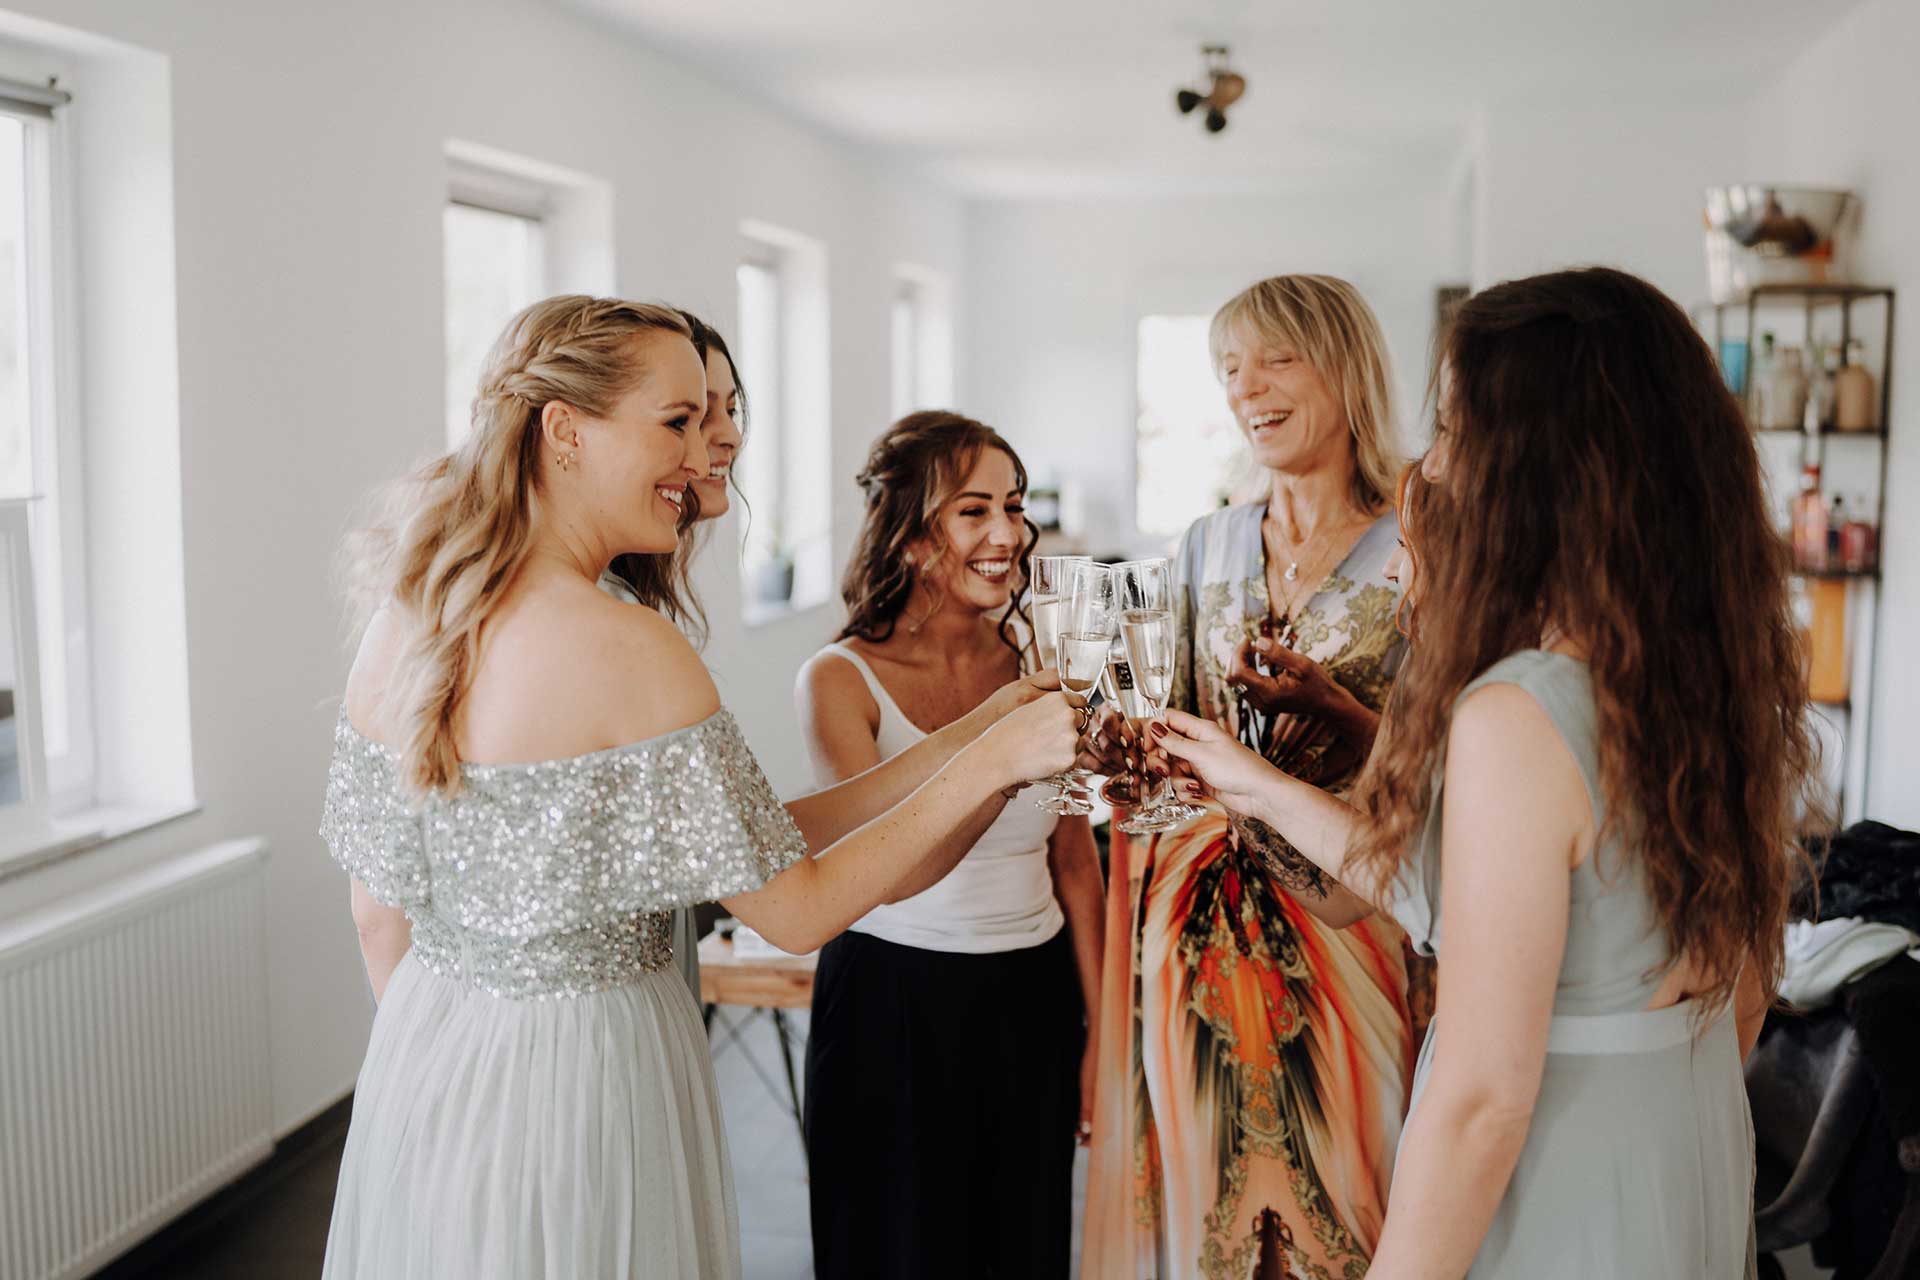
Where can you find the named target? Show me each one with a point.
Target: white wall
(1057, 290)
(1845, 114)
(1616, 184)
(1621, 183)
(307, 181)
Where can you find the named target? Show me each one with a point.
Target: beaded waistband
(608, 953)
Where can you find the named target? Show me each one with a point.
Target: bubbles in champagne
(1148, 635)
(1082, 657)
(1047, 613)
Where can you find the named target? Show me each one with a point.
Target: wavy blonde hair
(452, 537)
(1330, 326)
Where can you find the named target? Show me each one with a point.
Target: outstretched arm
(1319, 826)
(875, 786)
(840, 722)
(816, 898)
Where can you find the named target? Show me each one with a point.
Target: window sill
(758, 614)
(83, 830)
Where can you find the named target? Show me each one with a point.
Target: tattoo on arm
(1289, 868)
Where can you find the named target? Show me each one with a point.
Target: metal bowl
(1759, 234)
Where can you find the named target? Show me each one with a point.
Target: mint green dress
(1639, 1159)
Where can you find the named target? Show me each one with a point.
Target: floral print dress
(1254, 1063)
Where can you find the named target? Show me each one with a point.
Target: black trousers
(942, 1095)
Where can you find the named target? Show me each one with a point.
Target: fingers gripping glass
(1085, 624)
(1144, 598)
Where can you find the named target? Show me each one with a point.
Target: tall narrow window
(496, 263)
(922, 341)
(769, 568)
(39, 442)
(1188, 454)
(786, 466)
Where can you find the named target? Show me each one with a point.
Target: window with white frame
(495, 250)
(39, 432)
(1188, 454)
(785, 468)
(921, 327)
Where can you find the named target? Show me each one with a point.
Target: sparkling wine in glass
(1085, 618)
(1144, 591)
(1049, 598)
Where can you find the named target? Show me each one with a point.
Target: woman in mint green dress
(1583, 799)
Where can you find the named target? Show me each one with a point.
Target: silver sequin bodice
(555, 878)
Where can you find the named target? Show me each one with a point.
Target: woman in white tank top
(947, 1071)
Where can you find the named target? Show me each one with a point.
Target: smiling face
(720, 429)
(984, 528)
(631, 467)
(1289, 413)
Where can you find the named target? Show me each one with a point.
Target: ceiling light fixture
(1224, 87)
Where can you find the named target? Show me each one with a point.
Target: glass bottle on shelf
(1760, 382)
(1858, 552)
(1820, 388)
(1836, 525)
(1786, 399)
(1856, 404)
(1810, 522)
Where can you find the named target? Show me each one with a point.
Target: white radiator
(133, 1058)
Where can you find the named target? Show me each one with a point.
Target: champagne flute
(1048, 599)
(1122, 695)
(1144, 590)
(1087, 623)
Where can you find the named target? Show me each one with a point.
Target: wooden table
(763, 983)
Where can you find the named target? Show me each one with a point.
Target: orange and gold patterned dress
(1254, 1063)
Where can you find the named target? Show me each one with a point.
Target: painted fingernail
(1157, 729)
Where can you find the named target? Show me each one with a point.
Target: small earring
(566, 460)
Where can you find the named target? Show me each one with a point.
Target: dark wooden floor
(270, 1225)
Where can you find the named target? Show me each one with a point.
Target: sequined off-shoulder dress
(537, 1098)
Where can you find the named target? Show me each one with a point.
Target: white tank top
(999, 897)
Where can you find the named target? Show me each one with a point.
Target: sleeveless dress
(943, 1062)
(1639, 1159)
(537, 1099)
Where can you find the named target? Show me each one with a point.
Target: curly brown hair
(1601, 479)
(913, 469)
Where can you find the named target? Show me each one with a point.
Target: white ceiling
(1061, 98)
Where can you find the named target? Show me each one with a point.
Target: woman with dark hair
(946, 1061)
(1592, 767)
(664, 583)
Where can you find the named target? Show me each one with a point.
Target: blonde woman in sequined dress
(528, 777)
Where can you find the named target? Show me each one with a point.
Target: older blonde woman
(1254, 1062)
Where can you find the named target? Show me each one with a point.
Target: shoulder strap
(874, 686)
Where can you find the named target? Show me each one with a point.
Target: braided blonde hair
(456, 533)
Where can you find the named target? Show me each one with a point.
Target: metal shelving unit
(1834, 313)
